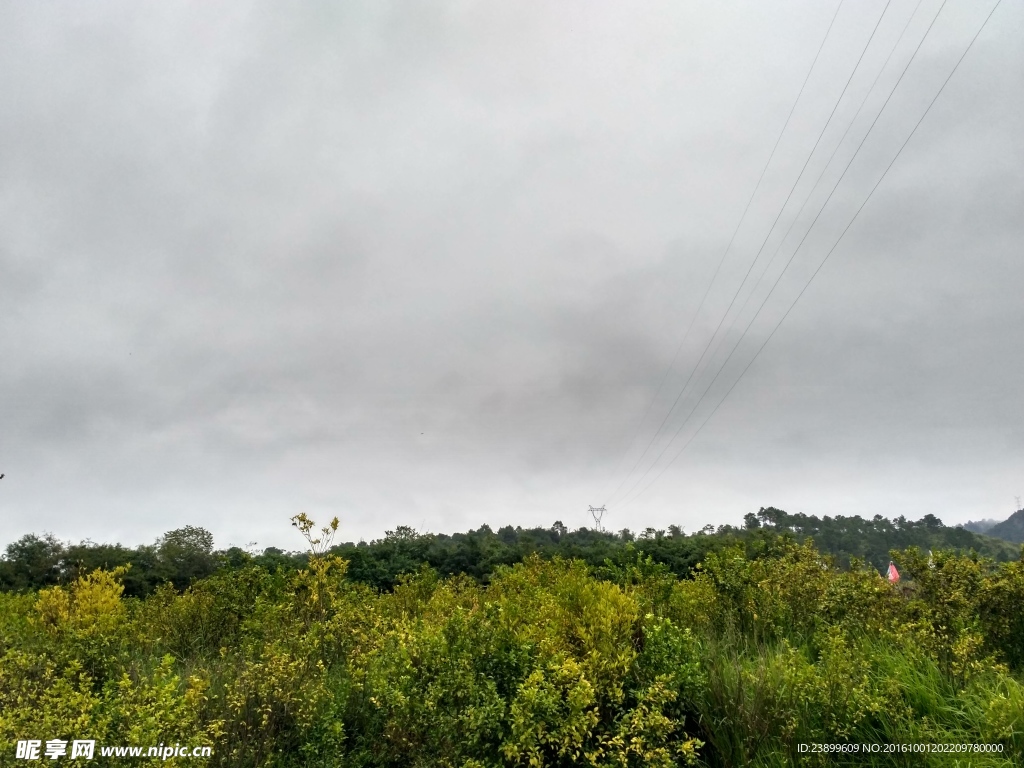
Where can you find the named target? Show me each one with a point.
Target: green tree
(31, 562)
(186, 554)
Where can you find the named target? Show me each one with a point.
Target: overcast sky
(427, 264)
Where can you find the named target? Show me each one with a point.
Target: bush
(548, 662)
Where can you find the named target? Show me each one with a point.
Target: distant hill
(871, 539)
(980, 526)
(1011, 529)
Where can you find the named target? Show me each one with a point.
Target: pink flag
(894, 575)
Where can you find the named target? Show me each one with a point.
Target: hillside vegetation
(1011, 529)
(765, 644)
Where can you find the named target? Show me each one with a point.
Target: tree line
(184, 555)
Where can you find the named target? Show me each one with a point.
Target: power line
(841, 235)
(718, 268)
(739, 290)
(786, 266)
(817, 181)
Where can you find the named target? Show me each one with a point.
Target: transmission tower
(598, 513)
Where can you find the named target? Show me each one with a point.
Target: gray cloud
(427, 265)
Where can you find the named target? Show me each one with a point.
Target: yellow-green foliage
(38, 700)
(160, 707)
(546, 664)
(88, 610)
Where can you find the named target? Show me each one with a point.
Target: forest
(525, 647)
